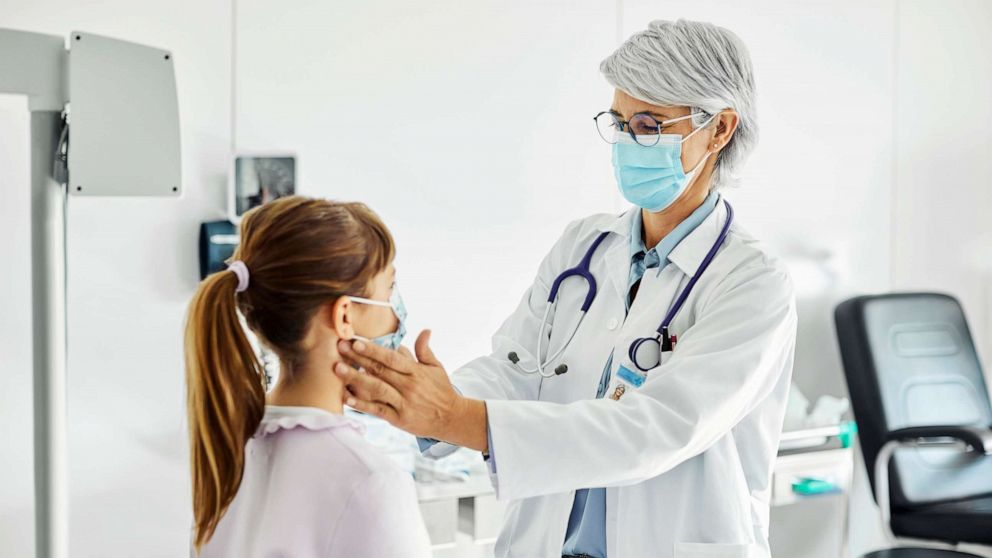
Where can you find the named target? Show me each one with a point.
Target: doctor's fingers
(425, 354)
(385, 412)
(405, 352)
(376, 359)
(367, 387)
(398, 380)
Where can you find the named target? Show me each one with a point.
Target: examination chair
(923, 414)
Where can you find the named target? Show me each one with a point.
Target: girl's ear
(340, 319)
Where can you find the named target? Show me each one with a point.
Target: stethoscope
(644, 352)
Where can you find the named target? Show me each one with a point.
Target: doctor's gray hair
(695, 64)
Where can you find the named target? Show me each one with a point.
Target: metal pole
(48, 287)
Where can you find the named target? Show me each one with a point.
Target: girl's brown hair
(301, 253)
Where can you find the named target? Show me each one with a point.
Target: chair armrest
(979, 438)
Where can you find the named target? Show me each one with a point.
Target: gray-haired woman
(632, 403)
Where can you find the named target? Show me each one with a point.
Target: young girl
(289, 474)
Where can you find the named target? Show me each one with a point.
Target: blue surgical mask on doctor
(389, 340)
(649, 171)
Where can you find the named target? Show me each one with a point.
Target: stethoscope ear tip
(512, 357)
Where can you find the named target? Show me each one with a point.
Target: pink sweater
(313, 487)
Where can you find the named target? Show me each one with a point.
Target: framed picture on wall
(256, 178)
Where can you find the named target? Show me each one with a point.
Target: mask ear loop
(703, 125)
(361, 300)
(369, 301)
(691, 174)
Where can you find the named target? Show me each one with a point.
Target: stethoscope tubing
(583, 270)
(539, 369)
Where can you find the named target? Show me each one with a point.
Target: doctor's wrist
(465, 424)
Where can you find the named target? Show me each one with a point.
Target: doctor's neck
(656, 226)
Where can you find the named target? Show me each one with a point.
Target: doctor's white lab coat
(686, 458)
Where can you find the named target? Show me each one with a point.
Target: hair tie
(241, 270)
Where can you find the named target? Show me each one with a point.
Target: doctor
(638, 413)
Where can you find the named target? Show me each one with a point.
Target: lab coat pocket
(665, 357)
(708, 550)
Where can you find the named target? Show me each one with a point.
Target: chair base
(918, 552)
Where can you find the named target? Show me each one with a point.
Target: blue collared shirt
(586, 533)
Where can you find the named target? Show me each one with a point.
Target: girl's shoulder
(321, 439)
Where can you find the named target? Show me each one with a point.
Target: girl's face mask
(389, 340)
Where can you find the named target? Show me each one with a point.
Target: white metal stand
(124, 98)
(48, 284)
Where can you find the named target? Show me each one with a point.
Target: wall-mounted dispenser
(218, 239)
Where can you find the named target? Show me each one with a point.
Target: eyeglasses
(641, 126)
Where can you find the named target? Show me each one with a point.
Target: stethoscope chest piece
(645, 353)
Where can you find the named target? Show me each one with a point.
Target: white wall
(873, 151)
(16, 511)
(438, 116)
(132, 269)
(942, 206)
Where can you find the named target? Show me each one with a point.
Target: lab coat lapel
(693, 249)
(617, 257)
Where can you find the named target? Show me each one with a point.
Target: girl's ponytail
(225, 399)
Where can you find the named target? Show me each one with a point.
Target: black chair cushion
(918, 553)
(965, 521)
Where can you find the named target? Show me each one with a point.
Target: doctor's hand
(413, 395)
